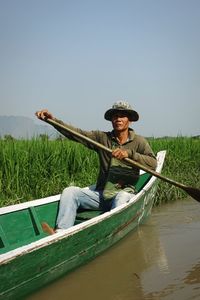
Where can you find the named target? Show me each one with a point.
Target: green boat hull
(26, 267)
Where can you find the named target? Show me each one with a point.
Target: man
(116, 179)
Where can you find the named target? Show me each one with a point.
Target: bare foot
(46, 228)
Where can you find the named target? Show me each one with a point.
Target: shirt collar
(130, 137)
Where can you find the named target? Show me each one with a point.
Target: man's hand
(43, 114)
(120, 153)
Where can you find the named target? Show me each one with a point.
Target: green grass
(182, 164)
(31, 169)
(39, 168)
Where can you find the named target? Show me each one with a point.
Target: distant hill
(23, 127)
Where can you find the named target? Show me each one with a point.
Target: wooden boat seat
(85, 215)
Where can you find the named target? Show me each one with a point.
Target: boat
(31, 259)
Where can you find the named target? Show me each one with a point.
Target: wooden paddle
(193, 192)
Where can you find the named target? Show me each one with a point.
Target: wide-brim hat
(121, 106)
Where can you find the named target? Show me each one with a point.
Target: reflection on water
(178, 226)
(193, 276)
(160, 260)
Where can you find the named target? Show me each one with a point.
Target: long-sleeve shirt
(137, 147)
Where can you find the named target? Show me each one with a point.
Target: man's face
(120, 121)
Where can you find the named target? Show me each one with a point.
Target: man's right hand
(43, 114)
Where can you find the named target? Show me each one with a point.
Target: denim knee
(71, 193)
(121, 198)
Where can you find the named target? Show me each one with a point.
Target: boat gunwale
(45, 241)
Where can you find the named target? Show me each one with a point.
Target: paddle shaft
(193, 192)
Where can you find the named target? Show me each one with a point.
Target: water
(160, 260)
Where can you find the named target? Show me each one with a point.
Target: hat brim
(131, 114)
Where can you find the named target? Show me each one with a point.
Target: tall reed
(38, 168)
(31, 169)
(182, 164)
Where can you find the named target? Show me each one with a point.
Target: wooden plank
(35, 221)
(3, 239)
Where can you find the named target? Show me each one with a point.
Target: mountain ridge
(23, 127)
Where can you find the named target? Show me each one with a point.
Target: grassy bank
(31, 169)
(182, 164)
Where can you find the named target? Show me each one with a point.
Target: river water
(159, 260)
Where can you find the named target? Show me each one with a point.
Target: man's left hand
(120, 153)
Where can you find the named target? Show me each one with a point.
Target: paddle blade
(193, 192)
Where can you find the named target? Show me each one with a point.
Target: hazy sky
(77, 57)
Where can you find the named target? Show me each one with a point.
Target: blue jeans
(73, 198)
